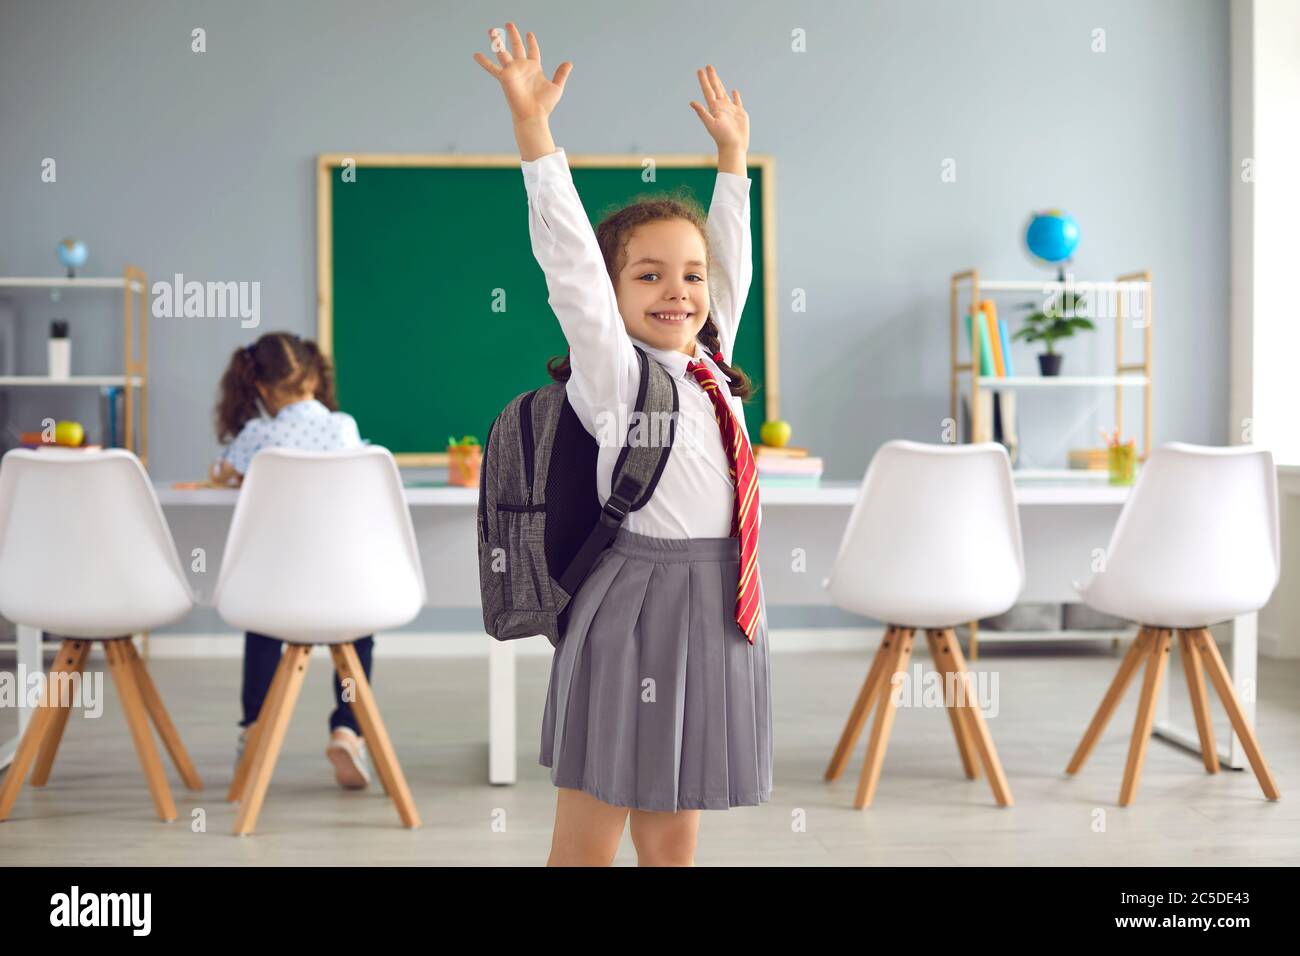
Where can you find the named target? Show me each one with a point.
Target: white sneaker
(347, 752)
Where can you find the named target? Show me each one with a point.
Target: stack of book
(787, 466)
(37, 441)
(1089, 459)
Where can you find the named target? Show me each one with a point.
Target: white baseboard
(433, 644)
(474, 644)
(1271, 645)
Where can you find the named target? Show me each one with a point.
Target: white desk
(1061, 522)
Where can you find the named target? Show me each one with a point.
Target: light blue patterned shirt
(308, 425)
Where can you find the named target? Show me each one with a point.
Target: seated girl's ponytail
(313, 359)
(238, 401)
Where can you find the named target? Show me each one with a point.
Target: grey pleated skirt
(656, 700)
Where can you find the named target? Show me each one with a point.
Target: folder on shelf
(1004, 402)
(997, 421)
(110, 416)
(986, 351)
(989, 313)
(1006, 347)
(986, 417)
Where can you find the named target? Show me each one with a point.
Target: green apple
(69, 433)
(776, 434)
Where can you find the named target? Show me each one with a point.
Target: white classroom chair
(321, 551)
(85, 553)
(1197, 543)
(933, 541)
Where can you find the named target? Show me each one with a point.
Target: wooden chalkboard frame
(326, 162)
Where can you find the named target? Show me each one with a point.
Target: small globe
(1052, 236)
(72, 253)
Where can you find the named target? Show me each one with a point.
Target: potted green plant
(464, 458)
(1058, 320)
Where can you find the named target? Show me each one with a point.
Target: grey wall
(203, 164)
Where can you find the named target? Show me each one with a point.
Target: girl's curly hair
(612, 234)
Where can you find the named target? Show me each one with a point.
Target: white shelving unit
(134, 379)
(1060, 381)
(1126, 375)
(135, 284)
(1056, 484)
(71, 380)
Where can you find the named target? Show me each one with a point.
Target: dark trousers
(262, 656)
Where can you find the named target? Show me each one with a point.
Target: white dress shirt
(695, 495)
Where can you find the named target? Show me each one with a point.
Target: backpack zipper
(526, 433)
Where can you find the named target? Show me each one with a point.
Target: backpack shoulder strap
(640, 464)
(642, 460)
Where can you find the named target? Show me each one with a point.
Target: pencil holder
(1122, 462)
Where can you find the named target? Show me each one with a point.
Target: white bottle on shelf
(60, 350)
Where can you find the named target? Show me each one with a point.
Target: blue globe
(1052, 236)
(72, 253)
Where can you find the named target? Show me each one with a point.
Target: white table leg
(1243, 660)
(29, 662)
(502, 763)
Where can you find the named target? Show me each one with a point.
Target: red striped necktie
(744, 515)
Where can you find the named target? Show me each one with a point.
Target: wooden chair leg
(275, 718)
(254, 732)
(862, 706)
(1208, 652)
(942, 658)
(1193, 668)
(35, 733)
(1137, 653)
(74, 663)
(161, 719)
(1157, 659)
(373, 731)
(969, 705)
(885, 712)
(137, 720)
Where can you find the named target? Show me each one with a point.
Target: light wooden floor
(96, 809)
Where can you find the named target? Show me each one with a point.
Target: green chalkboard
(416, 255)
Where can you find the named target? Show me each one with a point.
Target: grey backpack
(540, 523)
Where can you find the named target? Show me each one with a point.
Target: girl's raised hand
(725, 119)
(529, 93)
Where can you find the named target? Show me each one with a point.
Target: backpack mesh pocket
(522, 531)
